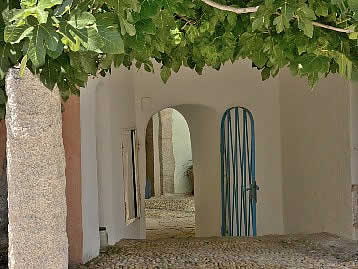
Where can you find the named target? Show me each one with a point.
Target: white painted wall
(182, 153)
(354, 132)
(204, 99)
(302, 139)
(316, 156)
(354, 148)
(115, 115)
(89, 173)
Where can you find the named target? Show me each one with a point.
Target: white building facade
(306, 148)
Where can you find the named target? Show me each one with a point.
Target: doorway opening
(169, 192)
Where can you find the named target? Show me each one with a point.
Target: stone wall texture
(3, 182)
(36, 175)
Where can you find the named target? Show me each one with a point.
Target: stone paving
(290, 251)
(170, 244)
(170, 217)
(181, 250)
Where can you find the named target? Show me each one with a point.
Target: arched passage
(169, 204)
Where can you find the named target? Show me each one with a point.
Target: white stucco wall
(127, 99)
(202, 100)
(90, 219)
(354, 152)
(316, 156)
(115, 115)
(303, 142)
(354, 130)
(182, 153)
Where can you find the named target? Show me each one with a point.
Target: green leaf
(28, 3)
(345, 66)
(51, 37)
(50, 74)
(353, 4)
(322, 9)
(105, 38)
(165, 73)
(84, 19)
(106, 63)
(306, 12)
(23, 66)
(353, 35)
(36, 50)
(48, 3)
(307, 27)
(128, 27)
(2, 98)
(63, 8)
(4, 60)
(14, 34)
(232, 19)
(19, 16)
(281, 23)
(265, 73)
(70, 32)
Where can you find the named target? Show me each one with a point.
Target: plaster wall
(354, 154)
(71, 133)
(115, 115)
(316, 153)
(182, 153)
(89, 190)
(202, 101)
(129, 99)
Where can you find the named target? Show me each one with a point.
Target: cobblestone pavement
(290, 251)
(170, 217)
(171, 244)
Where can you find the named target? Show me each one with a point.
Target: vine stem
(247, 10)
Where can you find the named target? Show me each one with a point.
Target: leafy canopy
(65, 41)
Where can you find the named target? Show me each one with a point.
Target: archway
(169, 204)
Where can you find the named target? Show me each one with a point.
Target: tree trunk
(36, 175)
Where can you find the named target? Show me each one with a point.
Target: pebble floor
(170, 217)
(171, 244)
(292, 251)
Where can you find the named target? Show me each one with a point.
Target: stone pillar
(36, 175)
(166, 151)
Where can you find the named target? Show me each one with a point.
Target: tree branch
(317, 24)
(231, 9)
(254, 9)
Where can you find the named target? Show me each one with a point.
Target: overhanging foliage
(65, 41)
